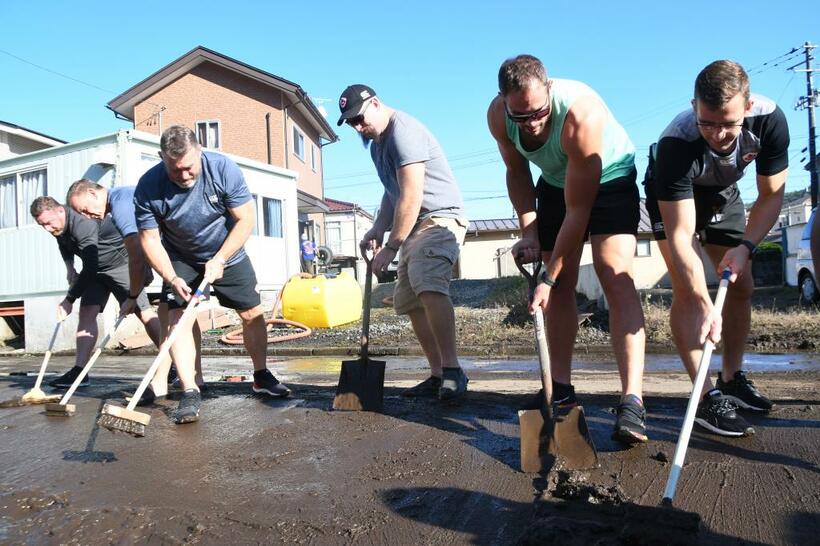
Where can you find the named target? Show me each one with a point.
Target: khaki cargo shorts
(426, 261)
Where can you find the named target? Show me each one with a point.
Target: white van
(806, 279)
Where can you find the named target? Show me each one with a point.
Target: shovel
(361, 381)
(547, 437)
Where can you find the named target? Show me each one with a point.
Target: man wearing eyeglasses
(423, 210)
(587, 188)
(694, 203)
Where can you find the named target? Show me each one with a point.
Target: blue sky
(435, 60)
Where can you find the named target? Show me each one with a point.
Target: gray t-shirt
(407, 141)
(121, 203)
(194, 222)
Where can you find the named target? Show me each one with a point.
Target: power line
(60, 74)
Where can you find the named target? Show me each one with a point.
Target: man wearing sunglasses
(423, 210)
(587, 188)
(694, 203)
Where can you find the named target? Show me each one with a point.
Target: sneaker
(148, 397)
(453, 384)
(743, 393)
(68, 378)
(188, 409)
(265, 383)
(716, 413)
(428, 387)
(563, 397)
(173, 376)
(630, 423)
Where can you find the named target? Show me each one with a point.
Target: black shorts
(235, 290)
(616, 209)
(115, 281)
(720, 217)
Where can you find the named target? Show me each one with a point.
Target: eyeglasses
(358, 120)
(710, 127)
(541, 113)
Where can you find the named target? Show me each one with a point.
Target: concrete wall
(486, 255)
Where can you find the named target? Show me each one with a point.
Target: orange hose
(234, 337)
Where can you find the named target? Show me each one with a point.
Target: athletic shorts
(235, 290)
(117, 282)
(426, 261)
(720, 217)
(616, 209)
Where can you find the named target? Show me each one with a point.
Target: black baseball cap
(354, 100)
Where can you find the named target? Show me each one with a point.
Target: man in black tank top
(694, 203)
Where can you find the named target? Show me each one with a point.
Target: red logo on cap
(342, 102)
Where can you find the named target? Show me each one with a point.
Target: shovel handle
(368, 287)
(540, 335)
(694, 398)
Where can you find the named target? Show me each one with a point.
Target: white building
(32, 269)
(345, 225)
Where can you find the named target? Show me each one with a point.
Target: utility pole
(808, 102)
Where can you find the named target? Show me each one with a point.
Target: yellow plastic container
(323, 302)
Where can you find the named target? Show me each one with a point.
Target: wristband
(750, 245)
(175, 278)
(130, 297)
(552, 283)
(388, 245)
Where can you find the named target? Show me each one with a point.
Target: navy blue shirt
(121, 203)
(193, 222)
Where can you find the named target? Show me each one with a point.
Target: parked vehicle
(806, 278)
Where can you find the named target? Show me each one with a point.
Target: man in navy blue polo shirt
(194, 213)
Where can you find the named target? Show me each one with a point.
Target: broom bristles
(118, 424)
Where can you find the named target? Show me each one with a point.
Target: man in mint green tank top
(587, 188)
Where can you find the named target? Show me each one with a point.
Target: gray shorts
(115, 281)
(426, 261)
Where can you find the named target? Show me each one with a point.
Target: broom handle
(692, 407)
(67, 396)
(165, 348)
(47, 356)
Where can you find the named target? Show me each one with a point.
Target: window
(643, 249)
(313, 157)
(333, 236)
(207, 132)
(17, 191)
(272, 216)
(298, 143)
(255, 199)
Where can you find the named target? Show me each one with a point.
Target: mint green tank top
(618, 150)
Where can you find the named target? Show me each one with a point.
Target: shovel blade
(566, 438)
(361, 386)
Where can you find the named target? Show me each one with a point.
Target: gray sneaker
(188, 409)
(453, 384)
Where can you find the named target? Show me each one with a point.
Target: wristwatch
(391, 247)
(543, 279)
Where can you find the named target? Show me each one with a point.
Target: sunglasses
(541, 113)
(712, 127)
(358, 120)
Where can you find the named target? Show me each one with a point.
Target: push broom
(36, 394)
(692, 407)
(118, 419)
(63, 408)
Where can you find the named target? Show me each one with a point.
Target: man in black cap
(422, 208)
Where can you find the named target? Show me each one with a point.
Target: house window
(298, 143)
(17, 191)
(643, 249)
(313, 157)
(272, 216)
(255, 199)
(333, 236)
(208, 134)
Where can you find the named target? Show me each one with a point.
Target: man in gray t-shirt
(423, 210)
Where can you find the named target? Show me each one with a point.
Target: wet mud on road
(258, 471)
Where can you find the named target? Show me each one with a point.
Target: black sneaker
(630, 423)
(188, 409)
(742, 392)
(265, 383)
(428, 387)
(172, 374)
(68, 378)
(453, 384)
(148, 397)
(563, 397)
(716, 413)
